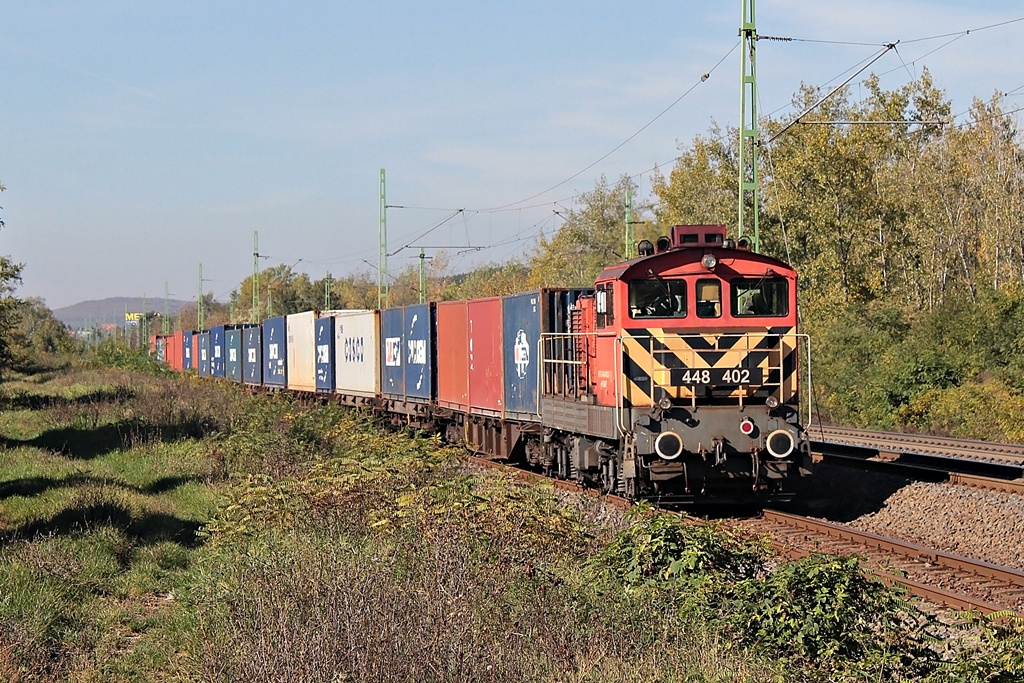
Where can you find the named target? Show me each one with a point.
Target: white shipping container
(301, 351)
(357, 352)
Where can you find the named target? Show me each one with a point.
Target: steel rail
(922, 472)
(979, 584)
(898, 443)
(980, 577)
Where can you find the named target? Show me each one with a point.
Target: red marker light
(747, 426)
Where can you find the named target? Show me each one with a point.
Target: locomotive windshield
(657, 298)
(760, 296)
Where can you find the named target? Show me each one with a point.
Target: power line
(966, 32)
(693, 87)
(890, 46)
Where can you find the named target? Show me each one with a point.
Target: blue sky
(139, 139)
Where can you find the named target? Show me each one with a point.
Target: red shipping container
(452, 354)
(486, 385)
(195, 351)
(176, 356)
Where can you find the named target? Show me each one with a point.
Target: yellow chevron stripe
(676, 345)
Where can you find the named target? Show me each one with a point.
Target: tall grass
(162, 528)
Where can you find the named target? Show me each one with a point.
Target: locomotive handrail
(557, 367)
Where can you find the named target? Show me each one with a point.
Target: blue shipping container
(204, 354)
(521, 330)
(392, 370)
(525, 317)
(252, 355)
(419, 347)
(324, 335)
(233, 354)
(407, 349)
(217, 351)
(275, 352)
(186, 351)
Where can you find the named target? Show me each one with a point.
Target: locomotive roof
(639, 266)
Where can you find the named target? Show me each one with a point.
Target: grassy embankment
(162, 528)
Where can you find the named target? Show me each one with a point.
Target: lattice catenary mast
(749, 195)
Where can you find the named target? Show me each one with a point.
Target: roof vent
(696, 235)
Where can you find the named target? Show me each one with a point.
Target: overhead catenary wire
(518, 205)
(704, 77)
(535, 230)
(890, 46)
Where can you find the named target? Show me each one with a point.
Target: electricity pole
(748, 175)
(630, 233)
(166, 323)
(382, 253)
(255, 276)
(199, 308)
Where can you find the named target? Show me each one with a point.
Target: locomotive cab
(690, 352)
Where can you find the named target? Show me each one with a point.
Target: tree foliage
(591, 238)
(10, 306)
(39, 332)
(10, 311)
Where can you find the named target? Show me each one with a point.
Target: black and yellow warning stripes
(657, 363)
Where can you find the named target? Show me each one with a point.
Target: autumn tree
(702, 187)
(39, 332)
(10, 306)
(493, 279)
(835, 190)
(590, 239)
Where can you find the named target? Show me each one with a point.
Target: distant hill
(112, 310)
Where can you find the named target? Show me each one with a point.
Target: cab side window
(605, 308)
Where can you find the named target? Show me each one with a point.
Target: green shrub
(664, 548)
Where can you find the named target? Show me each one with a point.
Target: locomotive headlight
(709, 261)
(668, 445)
(772, 402)
(780, 443)
(665, 403)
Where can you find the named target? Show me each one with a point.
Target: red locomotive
(680, 378)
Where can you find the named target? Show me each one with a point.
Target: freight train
(676, 378)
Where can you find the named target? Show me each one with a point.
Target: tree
(590, 239)
(39, 332)
(493, 279)
(10, 310)
(10, 278)
(702, 186)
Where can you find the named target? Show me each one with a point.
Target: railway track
(933, 575)
(939, 577)
(966, 462)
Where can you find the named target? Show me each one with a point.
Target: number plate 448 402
(715, 377)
